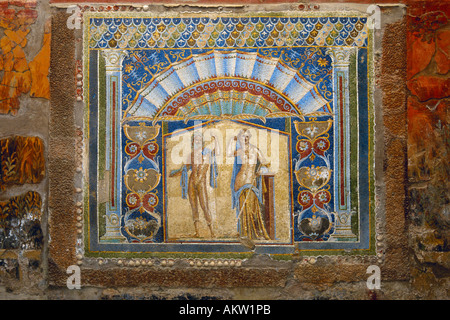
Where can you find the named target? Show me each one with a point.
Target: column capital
(113, 59)
(340, 56)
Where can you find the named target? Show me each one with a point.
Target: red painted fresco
(428, 43)
(428, 81)
(428, 61)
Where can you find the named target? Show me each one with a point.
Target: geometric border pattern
(352, 97)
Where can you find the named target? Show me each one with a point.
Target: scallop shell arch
(226, 84)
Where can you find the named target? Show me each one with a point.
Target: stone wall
(41, 171)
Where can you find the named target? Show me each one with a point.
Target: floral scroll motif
(141, 176)
(313, 173)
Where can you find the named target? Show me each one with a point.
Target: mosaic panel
(220, 136)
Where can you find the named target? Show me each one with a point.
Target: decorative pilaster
(113, 63)
(341, 101)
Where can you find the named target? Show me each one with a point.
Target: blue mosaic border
(229, 32)
(364, 159)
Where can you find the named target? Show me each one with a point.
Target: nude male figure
(200, 161)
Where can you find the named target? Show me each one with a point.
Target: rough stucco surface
(62, 158)
(393, 71)
(412, 226)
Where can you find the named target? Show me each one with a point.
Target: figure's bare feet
(196, 234)
(212, 232)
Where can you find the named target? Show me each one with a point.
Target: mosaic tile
(219, 136)
(228, 32)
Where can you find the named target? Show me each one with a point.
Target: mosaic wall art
(221, 135)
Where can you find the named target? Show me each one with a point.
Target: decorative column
(341, 119)
(113, 165)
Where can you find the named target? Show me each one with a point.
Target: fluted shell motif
(226, 83)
